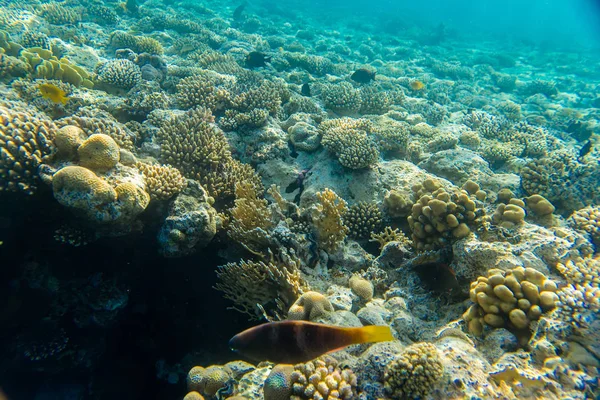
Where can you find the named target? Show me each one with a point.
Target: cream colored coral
(132, 198)
(509, 299)
(162, 181)
(68, 139)
(322, 379)
(361, 287)
(328, 220)
(80, 188)
(310, 306)
(99, 152)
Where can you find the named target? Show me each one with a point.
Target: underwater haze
(304, 200)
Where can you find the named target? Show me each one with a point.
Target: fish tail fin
(376, 333)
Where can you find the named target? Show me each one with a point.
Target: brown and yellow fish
(417, 85)
(292, 342)
(53, 93)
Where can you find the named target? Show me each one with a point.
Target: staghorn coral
(206, 89)
(587, 220)
(309, 307)
(25, 143)
(362, 220)
(322, 379)
(162, 181)
(414, 373)
(510, 299)
(260, 289)
(389, 235)
(118, 74)
(327, 220)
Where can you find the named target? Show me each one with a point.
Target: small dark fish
(363, 75)
(585, 149)
(292, 342)
(437, 276)
(237, 13)
(256, 59)
(579, 131)
(305, 90)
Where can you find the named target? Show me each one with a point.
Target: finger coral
(510, 299)
(322, 379)
(362, 219)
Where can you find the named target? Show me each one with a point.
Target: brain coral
(414, 373)
(361, 287)
(310, 306)
(80, 188)
(25, 143)
(208, 380)
(99, 152)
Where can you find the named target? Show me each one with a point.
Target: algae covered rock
(191, 223)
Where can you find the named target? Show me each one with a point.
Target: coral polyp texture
(173, 173)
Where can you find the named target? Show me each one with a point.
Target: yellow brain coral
(361, 287)
(68, 139)
(99, 152)
(80, 188)
(207, 380)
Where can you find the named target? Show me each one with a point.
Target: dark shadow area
(94, 321)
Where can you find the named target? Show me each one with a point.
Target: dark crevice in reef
(171, 309)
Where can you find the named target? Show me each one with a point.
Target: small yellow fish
(417, 85)
(53, 93)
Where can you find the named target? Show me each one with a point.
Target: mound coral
(309, 307)
(99, 152)
(362, 287)
(511, 214)
(139, 44)
(98, 122)
(208, 381)
(510, 299)
(25, 143)
(414, 373)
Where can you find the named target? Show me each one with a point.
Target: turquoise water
(173, 173)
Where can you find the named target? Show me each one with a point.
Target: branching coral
(327, 220)
(119, 74)
(341, 98)
(414, 373)
(162, 181)
(25, 143)
(261, 289)
(587, 220)
(349, 140)
(139, 44)
(362, 219)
